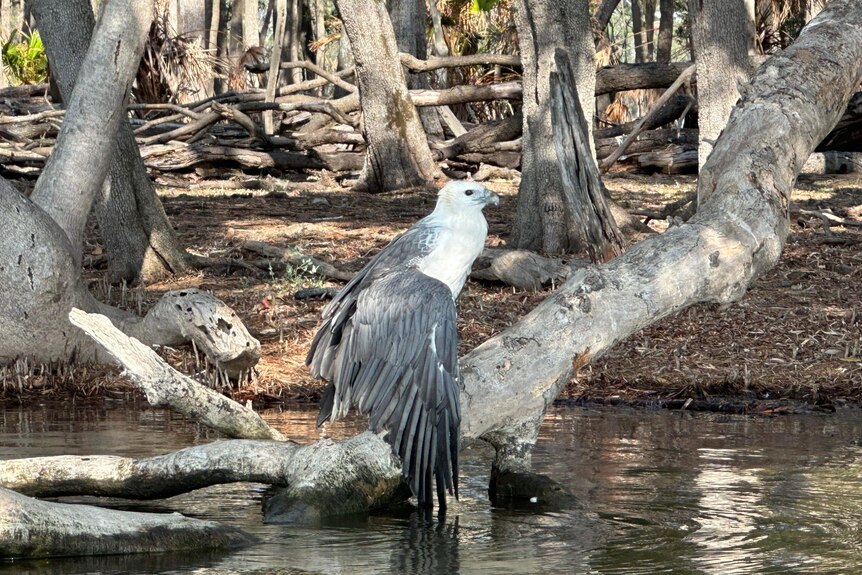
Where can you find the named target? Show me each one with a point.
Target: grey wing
(398, 362)
(400, 254)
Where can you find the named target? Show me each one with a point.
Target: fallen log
(177, 156)
(674, 159)
(481, 137)
(606, 163)
(647, 141)
(295, 258)
(163, 385)
(637, 76)
(30, 528)
(670, 112)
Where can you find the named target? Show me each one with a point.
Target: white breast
(459, 243)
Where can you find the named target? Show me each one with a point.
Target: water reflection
(658, 492)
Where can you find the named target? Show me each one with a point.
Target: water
(659, 492)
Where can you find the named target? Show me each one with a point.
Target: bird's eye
(468, 193)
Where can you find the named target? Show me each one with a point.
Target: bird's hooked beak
(491, 198)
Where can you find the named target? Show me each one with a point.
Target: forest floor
(794, 337)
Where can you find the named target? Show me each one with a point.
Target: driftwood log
(30, 528)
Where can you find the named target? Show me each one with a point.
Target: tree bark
(275, 62)
(40, 273)
(33, 529)
(542, 220)
(397, 155)
(87, 130)
(649, 28)
(636, 76)
(664, 45)
(139, 240)
(243, 26)
(604, 12)
(408, 21)
(720, 32)
(582, 185)
(638, 32)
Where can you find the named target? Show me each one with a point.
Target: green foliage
(477, 6)
(24, 58)
(303, 275)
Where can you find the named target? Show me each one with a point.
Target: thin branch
(312, 67)
(435, 63)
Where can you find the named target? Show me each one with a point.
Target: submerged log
(30, 528)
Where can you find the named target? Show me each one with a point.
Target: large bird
(389, 345)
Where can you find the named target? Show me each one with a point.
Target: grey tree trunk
(219, 37)
(722, 34)
(40, 273)
(664, 44)
(543, 220)
(397, 155)
(604, 11)
(139, 241)
(280, 21)
(408, 20)
(243, 26)
(6, 27)
(638, 32)
(649, 28)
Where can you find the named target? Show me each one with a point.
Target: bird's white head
(460, 195)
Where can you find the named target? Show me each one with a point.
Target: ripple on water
(658, 492)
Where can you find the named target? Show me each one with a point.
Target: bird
(388, 343)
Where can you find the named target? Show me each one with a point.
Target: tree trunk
(220, 34)
(87, 127)
(40, 274)
(272, 78)
(721, 35)
(397, 155)
(582, 185)
(243, 26)
(250, 24)
(543, 220)
(649, 28)
(604, 12)
(408, 21)
(735, 237)
(6, 28)
(664, 45)
(638, 32)
(139, 240)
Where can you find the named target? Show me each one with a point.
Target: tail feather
(326, 401)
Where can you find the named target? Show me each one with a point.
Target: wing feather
(396, 360)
